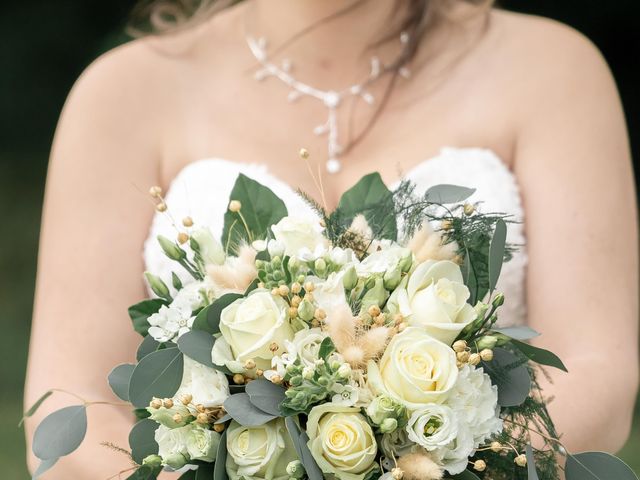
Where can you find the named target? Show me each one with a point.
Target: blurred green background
(44, 45)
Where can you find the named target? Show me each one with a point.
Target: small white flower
(346, 395)
(169, 322)
(433, 426)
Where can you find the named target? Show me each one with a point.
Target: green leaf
(140, 312)
(60, 433)
(540, 355)
(208, 319)
(326, 348)
(205, 471)
(597, 466)
(470, 278)
(141, 413)
(532, 473)
(244, 412)
(510, 376)
(148, 345)
(142, 439)
(145, 472)
(219, 468)
(43, 467)
(119, 380)
(444, 193)
(466, 475)
(309, 463)
(294, 433)
(188, 475)
(266, 395)
(496, 253)
(261, 208)
(371, 198)
(197, 345)
(35, 407)
(159, 374)
(518, 333)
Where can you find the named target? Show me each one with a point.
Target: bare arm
(95, 219)
(574, 166)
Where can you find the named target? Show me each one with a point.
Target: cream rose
(261, 452)
(206, 385)
(435, 298)
(300, 237)
(341, 441)
(249, 327)
(415, 369)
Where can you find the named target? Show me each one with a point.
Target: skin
(534, 91)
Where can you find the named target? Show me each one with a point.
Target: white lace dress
(201, 190)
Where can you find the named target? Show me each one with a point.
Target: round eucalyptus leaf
(119, 380)
(266, 395)
(512, 379)
(240, 408)
(219, 469)
(197, 344)
(43, 467)
(597, 466)
(147, 346)
(159, 374)
(60, 433)
(142, 439)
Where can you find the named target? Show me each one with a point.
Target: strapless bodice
(201, 190)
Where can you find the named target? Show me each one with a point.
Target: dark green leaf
(240, 408)
(140, 312)
(219, 468)
(119, 380)
(253, 285)
(148, 345)
(188, 475)
(496, 253)
(326, 348)
(145, 472)
(142, 439)
(532, 473)
(519, 333)
(309, 463)
(597, 466)
(266, 395)
(510, 376)
(540, 355)
(371, 198)
(159, 374)
(43, 467)
(466, 475)
(60, 433)
(444, 194)
(261, 208)
(141, 413)
(470, 278)
(197, 345)
(205, 471)
(208, 319)
(35, 406)
(175, 281)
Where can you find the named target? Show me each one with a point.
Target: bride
(526, 108)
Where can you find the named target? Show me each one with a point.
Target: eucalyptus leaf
(513, 382)
(208, 319)
(223, 419)
(197, 345)
(496, 253)
(532, 473)
(60, 433)
(119, 380)
(518, 333)
(43, 467)
(240, 408)
(444, 193)
(159, 374)
(142, 439)
(309, 463)
(205, 471)
(145, 472)
(540, 355)
(148, 345)
(266, 395)
(140, 312)
(294, 433)
(371, 198)
(470, 278)
(219, 468)
(261, 208)
(597, 466)
(326, 348)
(35, 406)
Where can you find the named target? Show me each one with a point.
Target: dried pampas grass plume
(236, 274)
(419, 466)
(427, 244)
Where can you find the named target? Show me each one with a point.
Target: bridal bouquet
(359, 345)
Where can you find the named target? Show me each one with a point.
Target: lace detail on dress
(201, 190)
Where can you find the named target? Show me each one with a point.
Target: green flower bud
(344, 371)
(406, 261)
(152, 461)
(277, 275)
(388, 425)
(170, 249)
(176, 416)
(295, 469)
(320, 266)
(384, 407)
(498, 300)
(175, 460)
(308, 372)
(392, 278)
(350, 278)
(324, 381)
(377, 295)
(296, 381)
(481, 309)
(488, 341)
(306, 310)
(276, 261)
(157, 285)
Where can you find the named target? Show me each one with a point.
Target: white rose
(202, 444)
(341, 441)
(432, 426)
(329, 293)
(208, 386)
(261, 452)
(305, 346)
(172, 445)
(436, 298)
(301, 237)
(415, 369)
(249, 326)
(383, 260)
